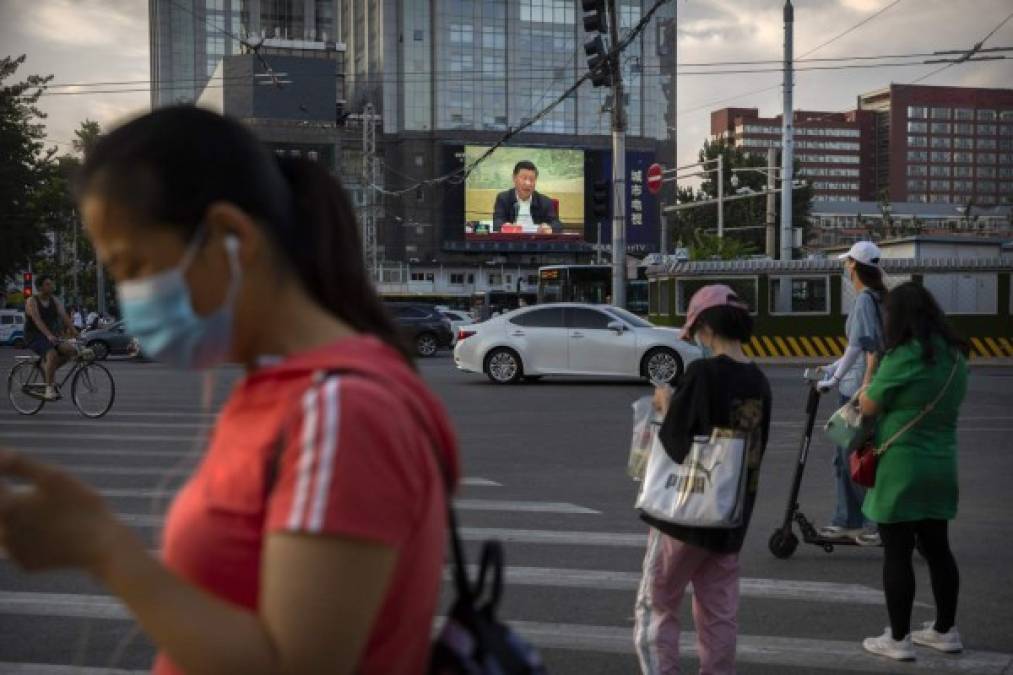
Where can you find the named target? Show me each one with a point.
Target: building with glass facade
(946, 145)
(450, 73)
(189, 38)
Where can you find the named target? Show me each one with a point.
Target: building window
(939, 171)
(916, 185)
(917, 170)
(918, 197)
(962, 171)
(986, 158)
(1006, 115)
(940, 156)
(963, 143)
(986, 187)
(986, 115)
(940, 186)
(986, 172)
(987, 129)
(917, 112)
(985, 144)
(963, 114)
(963, 128)
(941, 127)
(456, 279)
(917, 127)
(964, 157)
(964, 186)
(917, 156)
(941, 141)
(917, 141)
(808, 295)
(941, 113)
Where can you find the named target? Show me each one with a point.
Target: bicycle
(92, 388)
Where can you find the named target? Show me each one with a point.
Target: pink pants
(669, 566)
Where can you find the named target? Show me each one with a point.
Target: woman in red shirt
(311, 538)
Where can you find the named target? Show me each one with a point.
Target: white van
(12, 328)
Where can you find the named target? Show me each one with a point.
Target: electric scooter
(783, 541)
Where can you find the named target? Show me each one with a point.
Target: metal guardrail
(826, 265)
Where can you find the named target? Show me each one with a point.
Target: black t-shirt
(718, 392)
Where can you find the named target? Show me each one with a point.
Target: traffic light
(600, 199)
(595, 48)
(27, 285)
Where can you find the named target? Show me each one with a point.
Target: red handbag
(863, 460)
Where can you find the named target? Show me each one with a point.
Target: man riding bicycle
(48, 319)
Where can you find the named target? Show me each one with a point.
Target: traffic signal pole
(618, 167)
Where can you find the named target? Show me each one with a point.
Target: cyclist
(47, 319)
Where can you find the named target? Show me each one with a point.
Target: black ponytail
(871, 277)
(329, 260)
(170, 165)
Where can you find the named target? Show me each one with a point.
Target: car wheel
(503, 366)
(662, 365)
(426, 345)
(100, 348)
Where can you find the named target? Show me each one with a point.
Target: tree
(22, 156)
(710, 246)
(739, 213)
(86, 136)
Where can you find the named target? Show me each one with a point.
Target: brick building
(942, 144)
(833, 150)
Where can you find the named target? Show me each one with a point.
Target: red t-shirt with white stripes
(350, 458)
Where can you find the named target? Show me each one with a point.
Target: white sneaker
(51, 394)
(869, 539)
(885, 645)
(928, 636)
(838, 532)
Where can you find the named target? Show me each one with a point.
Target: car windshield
(629, 317)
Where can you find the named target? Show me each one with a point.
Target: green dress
(916, 478)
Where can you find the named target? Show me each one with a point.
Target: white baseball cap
(864, 252)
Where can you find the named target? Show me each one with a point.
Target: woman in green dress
(916, 394)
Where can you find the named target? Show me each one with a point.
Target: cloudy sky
(107, 41)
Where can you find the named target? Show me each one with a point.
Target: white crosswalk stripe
(123, 466)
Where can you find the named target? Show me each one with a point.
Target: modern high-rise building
(943, 144)
(189, 38)
(832, 149)
(445, 77)
(446, 74)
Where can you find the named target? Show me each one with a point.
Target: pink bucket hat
(714, 295)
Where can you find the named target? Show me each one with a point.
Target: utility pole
(787, 134)
(618, 165)
(771, 248)
(721, 194)
(369, 238)
(673, 50)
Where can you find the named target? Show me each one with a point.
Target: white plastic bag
(645, 430)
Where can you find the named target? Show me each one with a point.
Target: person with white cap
(850, 374)
(725, 390)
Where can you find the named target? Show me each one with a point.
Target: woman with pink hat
(726, 390)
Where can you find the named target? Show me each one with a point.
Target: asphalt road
(545, 466)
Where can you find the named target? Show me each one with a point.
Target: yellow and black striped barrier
(811, 346)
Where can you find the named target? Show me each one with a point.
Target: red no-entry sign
(654, 178)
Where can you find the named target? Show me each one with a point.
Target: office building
(832, 149)
(950, 145)
(189, 38)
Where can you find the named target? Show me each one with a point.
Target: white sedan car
(571, 339)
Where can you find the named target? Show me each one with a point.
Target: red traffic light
(27, 284)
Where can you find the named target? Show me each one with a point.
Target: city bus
(589, 283)
(485, 304)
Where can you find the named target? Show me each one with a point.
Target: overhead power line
(974, 50)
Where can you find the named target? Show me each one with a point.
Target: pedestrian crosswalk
(571, 578)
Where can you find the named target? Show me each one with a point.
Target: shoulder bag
(863, 461)
(706, 490)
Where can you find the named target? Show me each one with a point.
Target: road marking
(772, 589)
(760, 649)
(105, 424)
(526, 507)
(8, 668)
(186, 438)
